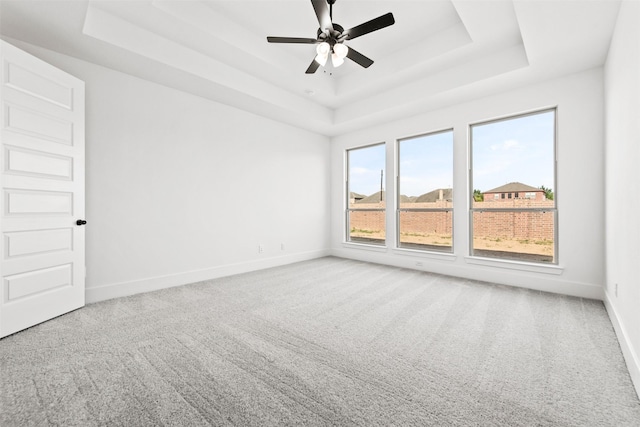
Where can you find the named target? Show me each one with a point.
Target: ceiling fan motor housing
(333, 37)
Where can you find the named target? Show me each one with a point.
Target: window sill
(374, 248)
(440, 256)
(514, 265)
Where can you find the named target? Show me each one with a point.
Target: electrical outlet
(260, 249)
(282, 246)
(419, 264)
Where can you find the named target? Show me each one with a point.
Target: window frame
(554, 209)
(447, 249)
(347, 228)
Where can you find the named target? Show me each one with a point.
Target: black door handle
(81, 222)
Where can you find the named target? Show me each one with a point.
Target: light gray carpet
(324, 342)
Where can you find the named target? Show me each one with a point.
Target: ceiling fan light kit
(331, 37)
(338, 53)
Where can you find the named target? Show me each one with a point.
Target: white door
(42, 184)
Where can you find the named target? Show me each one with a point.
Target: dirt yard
(536, 247)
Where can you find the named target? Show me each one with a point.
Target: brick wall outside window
(509, 225)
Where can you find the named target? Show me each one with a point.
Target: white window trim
(346, 242)
(440, 256)
(525, 265)
(515, 265)
(364, 246)
(451, 250)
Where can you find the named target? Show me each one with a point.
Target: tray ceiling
(439, 52)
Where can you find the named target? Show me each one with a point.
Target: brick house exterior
(514, 190)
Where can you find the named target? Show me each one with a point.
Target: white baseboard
(457, 267)
(116, 290)
(629, 353)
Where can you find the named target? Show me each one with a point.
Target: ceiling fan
(331, 37)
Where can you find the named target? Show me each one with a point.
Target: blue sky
(426, 163)
(516, 150)
(365, 165)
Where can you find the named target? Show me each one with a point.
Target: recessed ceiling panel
(437, 50)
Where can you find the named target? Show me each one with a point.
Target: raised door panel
(35, 123)
(37, 281)
(37, 85)
(37, 242)
(34, 202)
(38, 164)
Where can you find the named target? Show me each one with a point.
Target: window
(425, 193)
(515, 155)
(365, 216)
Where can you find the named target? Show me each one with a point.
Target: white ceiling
(439, 52)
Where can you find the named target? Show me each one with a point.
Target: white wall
(181, 189)
(579, 188)
(622, 121)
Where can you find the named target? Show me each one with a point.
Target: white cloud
(510, 143)
(506, 145)
(360, 171)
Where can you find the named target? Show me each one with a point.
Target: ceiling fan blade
(313, 67)
(322, 12)
(291, 40)
(359, 58)
(370, 26)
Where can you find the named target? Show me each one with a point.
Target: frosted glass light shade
(323, 49)
(336, 60)
(340, 50)
(321, 59)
